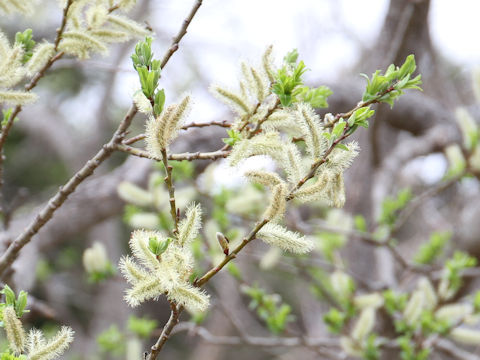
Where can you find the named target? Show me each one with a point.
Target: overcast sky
(329, 35)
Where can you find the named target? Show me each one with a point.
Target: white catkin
(41, 55)
(17, 97)
(277, 235)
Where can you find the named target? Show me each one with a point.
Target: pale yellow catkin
(14, 329)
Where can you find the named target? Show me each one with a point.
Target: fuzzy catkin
(236, 102)
(364, 324)
(161, 131)
(189, 227)
(277, 235)
(312, 128)
(41, 55)
(278, 203)
(267, 62)
(263, 177)
(55, 347)
(14, 329)
(17, 97)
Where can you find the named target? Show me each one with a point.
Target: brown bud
(223, 241)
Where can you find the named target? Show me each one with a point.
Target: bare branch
(59, 198)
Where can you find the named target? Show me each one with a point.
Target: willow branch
(360, 105)
(223, 123)
(181, 33)
(59, 198)
(178, 157)
(167, 329)
(61, 29)
(233, 254)
(171, 189)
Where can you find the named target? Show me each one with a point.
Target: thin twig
(360, 105)
(139, 137)
(420, 199)
(233, 254)
(171, 189)
(133, 139)
(223, 123)
(167, 329)
(256, 130)
(183, 30)
(178, 157)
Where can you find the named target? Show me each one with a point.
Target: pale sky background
(329, 35)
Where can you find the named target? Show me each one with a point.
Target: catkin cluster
(92, 25)
(267, 128)
(34, 344)
(168, 273)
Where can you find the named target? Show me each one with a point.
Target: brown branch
(133, 139)
(183, 30)
(233, 254)
(223, 123)
(167, 329)
(256, 130)
(59, 198)
(171, 189)
(5, 130)
(61, 29)
(178, 157)
(360, 105)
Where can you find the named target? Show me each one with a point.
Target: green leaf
(112, 341)
(9, 295)
(25, 39)
(360, 223)
(335, 320)
(408, 67)
(158, 247)
(143, 327)
(388, 87)
(159, 102)
(338, 129)
(21, 303)
(7, 113)
(291, 57)
(371, 348)
(233, 137)
(430, 251)
(316, 97)
(342, 146)
(391, 207)
(394, 302)
(476, 302)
